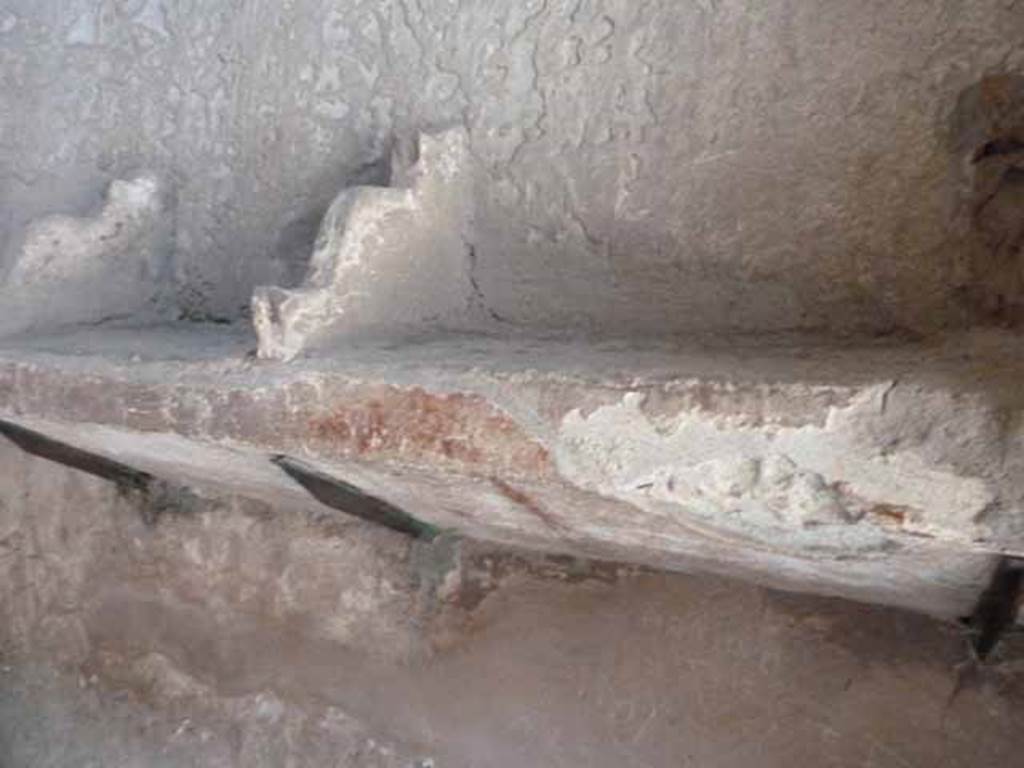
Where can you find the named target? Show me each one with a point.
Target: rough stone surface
(92, 269)
(239, 633)
(642, 166)
(886, 471)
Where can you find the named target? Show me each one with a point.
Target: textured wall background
(650, 166)
(239, 633)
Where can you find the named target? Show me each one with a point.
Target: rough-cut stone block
(88, 270)
(385, 258)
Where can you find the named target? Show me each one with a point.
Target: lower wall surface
(233, 633)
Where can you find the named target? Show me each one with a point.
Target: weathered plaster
(887, 472)
(639, 166)
(387, 259)
(810, 486)
(81, 270)
(243, 633)
(731, 175)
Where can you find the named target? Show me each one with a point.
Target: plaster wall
(647, 167)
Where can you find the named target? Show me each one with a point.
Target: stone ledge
(885, 472)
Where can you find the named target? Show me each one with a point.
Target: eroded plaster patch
(805, 487)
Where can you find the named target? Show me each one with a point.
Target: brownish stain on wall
(416, 425)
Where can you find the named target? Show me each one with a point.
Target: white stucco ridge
(386, 258)
(89, 269)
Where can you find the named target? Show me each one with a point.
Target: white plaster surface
(640, 167)
(386, 258)
(74, 270)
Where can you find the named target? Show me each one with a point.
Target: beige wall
(239, 634)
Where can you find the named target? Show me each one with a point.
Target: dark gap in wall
(155, 497)
(296, 240)
(997, 607)
(38, 444)
(988, 133)
(1004, 146)
(351, 500)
